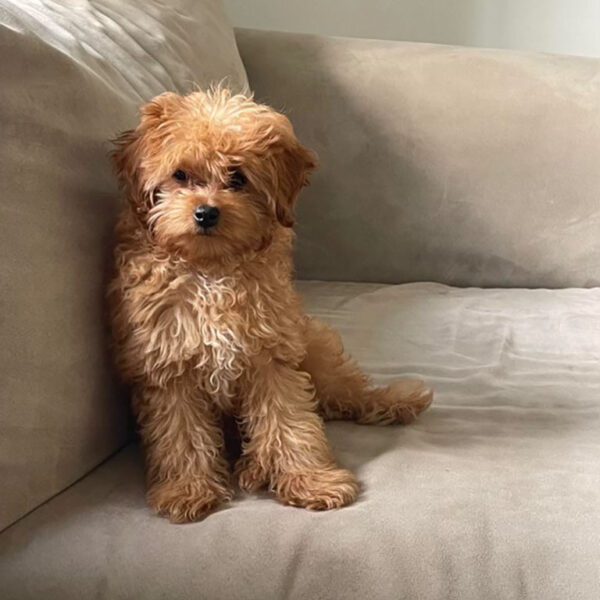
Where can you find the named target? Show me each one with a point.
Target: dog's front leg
(186, 471)
(285, 445)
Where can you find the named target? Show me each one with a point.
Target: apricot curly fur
(207, 322)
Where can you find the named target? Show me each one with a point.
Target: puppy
(206, 320)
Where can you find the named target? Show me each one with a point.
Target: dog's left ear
(297, 162)
(294, 163)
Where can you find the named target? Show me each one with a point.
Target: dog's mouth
(206, 231)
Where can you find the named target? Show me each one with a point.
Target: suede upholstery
(456, 165)
(72, 77)
(492, 494)
(462, 166)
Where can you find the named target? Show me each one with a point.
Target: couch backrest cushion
(457, 165)
(72, 76)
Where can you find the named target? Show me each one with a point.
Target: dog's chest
(222, 324)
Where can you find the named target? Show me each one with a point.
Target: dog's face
(211, 174)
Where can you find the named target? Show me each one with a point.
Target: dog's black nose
(206, 216)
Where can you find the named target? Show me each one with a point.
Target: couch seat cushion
(493, 493)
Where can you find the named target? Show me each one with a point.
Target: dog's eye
(180, 175)
(237, 180)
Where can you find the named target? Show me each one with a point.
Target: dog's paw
(251, 476)
(318, 490)
(400, 403)
(186, 502)
(410, 397)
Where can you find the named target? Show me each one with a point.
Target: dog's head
(211, 173)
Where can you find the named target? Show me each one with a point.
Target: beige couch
(474, 172)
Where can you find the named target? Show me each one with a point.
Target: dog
(206, 320)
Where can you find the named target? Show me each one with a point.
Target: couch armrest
(457, 165)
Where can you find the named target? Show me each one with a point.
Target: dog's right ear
(131, 146)
(125, 160)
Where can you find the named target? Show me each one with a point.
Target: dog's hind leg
(345, 392)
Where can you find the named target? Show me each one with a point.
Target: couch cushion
(493, 493)
(73, 75)
(457, 165)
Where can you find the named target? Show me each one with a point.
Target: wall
(561, 26)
